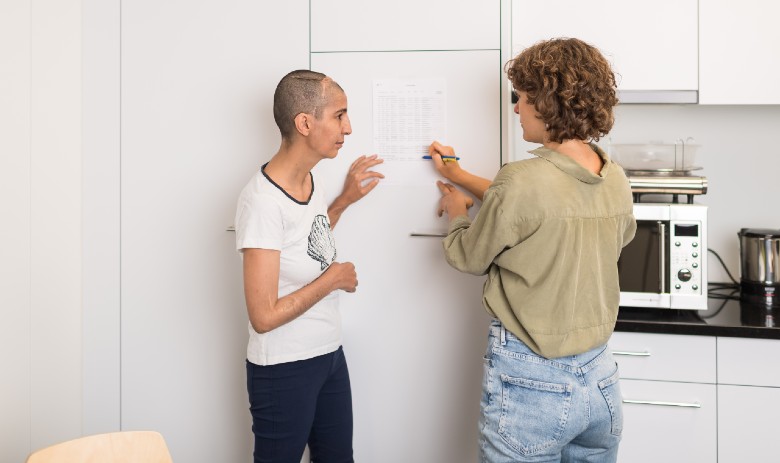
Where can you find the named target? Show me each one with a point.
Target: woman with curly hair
(548, 236)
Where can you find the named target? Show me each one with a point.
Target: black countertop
(730, 318)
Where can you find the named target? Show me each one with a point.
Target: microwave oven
(665, 265)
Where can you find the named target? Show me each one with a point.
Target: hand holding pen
(452, 171)
(445, 161)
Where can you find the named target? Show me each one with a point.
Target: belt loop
(503, 335)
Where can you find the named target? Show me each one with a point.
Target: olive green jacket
(548, 236)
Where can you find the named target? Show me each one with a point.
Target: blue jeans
(298, 403)
(534, 409)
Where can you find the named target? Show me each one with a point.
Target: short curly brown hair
(571, 85)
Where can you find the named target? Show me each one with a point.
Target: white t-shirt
(268, 218)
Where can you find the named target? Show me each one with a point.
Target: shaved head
(300, 91)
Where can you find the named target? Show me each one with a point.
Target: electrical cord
(716, 289)
(725, 298)
(724, 266)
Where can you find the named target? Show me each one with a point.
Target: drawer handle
(663, 404)
(429, 234)
(631, 354)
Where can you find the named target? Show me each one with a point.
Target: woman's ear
(303, 123)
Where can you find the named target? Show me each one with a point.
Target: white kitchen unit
(665, 357)
(672, 422)
(355, 25)
(739, 52)
(748, 399)
(676, 407)
(669, 397)
(745, 417)
(415, 331)
(743, 361)
(653, 46)
(197, 88)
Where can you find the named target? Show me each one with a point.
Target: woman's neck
(290, 170)
(581, 152)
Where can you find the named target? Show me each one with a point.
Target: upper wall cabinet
(653, 46)
(739, 57)
(357, 25)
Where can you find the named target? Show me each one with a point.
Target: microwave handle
(662, 256)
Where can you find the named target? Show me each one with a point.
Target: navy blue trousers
(298, 403)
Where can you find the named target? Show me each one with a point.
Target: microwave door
(643, 267)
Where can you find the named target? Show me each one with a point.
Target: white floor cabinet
(197, 86)
(748, 399)
(697, 398)
(669, 397)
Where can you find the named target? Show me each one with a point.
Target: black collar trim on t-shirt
(311, 176)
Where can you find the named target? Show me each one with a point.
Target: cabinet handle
(231, 228)
(631, 354)
(663, 404)
(431, 235)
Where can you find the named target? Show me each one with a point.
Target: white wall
(15, 261)
(40, 235)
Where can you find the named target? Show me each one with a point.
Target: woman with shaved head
(297, 376)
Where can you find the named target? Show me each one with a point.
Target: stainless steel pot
(760, 256)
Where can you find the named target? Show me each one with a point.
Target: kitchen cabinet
(748, 399)
(743, 361)
(697, 398)
(668, 421)
(746, 417)
(653, 46)
(197, 82)
(355, 25)
(739, 54)
(417, 349)
(669, 397)
(665, 357)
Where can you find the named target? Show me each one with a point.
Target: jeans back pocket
(533, 413)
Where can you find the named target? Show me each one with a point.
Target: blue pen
(444, 157)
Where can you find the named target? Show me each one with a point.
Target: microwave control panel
(685, 258)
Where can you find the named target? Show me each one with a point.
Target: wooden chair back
(114, 447)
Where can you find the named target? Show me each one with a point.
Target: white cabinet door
(739, 55)
(652, 45)
(744, 362)
(197, 88)
(415, 330)
(664, 357)
(355, 25)
(668, 422)
(746, 417)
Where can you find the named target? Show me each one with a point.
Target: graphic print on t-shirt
(321, 245)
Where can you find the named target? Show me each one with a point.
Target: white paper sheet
(408, 116)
